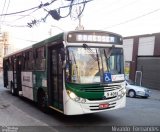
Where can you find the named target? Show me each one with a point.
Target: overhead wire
(7, 6)
(84, 4)
(7, 14)
(34, 22)
(80, 11)
(25, 15)
(39, 6)
(132, 19)
(56, 15)
(70, 9)
(3, 10)
(130, 3)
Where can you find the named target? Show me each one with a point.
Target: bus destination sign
(92, 37)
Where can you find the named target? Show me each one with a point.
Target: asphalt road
(23, 115)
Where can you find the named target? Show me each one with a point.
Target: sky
(125, 17)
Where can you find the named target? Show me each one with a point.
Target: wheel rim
(131, 94)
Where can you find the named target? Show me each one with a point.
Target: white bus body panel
(27, 85)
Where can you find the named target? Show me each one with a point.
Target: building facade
(142, 59)
(4, 46)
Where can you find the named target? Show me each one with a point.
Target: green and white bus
(76, 72)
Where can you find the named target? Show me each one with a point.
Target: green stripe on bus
(87, 91)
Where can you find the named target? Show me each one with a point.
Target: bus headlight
(74, 97)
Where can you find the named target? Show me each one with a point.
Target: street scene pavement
(18, 113)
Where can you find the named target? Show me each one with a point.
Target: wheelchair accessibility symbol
(107, 77)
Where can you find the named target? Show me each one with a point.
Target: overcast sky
(125, 17)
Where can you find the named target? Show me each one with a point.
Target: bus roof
(39, 44)
(61, 37)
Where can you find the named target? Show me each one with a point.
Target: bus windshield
(87, 65)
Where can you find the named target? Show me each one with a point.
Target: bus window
(10, 66)
(30, 61)
(40, 58)
(26, 58)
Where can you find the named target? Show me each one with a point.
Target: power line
(40, 6)
(20, 11)
(25, 15)
(3, 9)
(15, 25)
(54, 13)
(6, 10)
(133, 19)
(130, 3)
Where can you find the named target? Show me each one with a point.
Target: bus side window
(26, 61)
(10, 64)
(40, 58)
(23, 61)
(30, 60)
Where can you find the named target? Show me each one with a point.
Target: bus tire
(41, 101)
(12, 89)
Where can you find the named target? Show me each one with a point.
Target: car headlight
(74, 97)
(147, 90)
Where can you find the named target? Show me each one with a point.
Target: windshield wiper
(108, 52)
(96, 58)
(76, 67)
(90, 51)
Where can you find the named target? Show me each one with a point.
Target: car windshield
(87, 65)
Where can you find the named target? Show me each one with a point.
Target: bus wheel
(12, 88)
(41, 101)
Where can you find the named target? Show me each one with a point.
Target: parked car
(136, 91)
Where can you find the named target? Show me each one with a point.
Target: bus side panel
(27, 85)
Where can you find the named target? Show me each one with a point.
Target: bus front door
(55, 78)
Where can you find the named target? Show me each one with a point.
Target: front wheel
(12, 88)
(132, 93)
(41, 101)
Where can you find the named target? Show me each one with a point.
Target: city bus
(75, 72)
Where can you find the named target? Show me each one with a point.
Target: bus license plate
(103, 106)
(111, 94)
